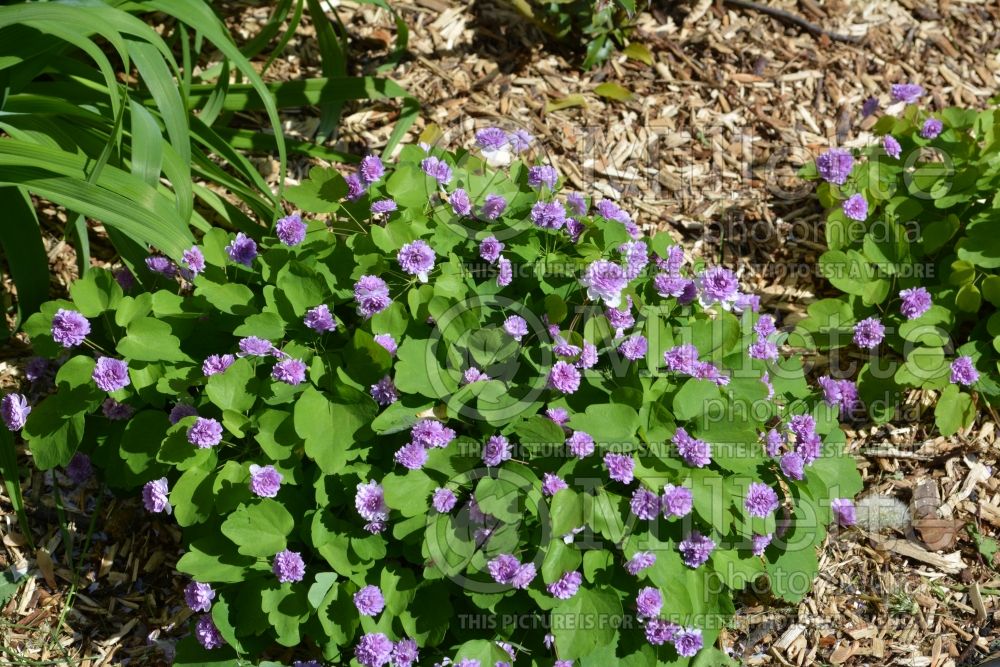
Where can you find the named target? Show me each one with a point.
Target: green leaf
(212, 560)
(575, 100)
(328, 428)
(322, 584)
(576, 622)
(608, 422)
(695, 397)
(613, 91)
(566, 511)
(150, 339)
(320, 193)
(954, 411)
(95, 292)
(233, 389)
(191, 496)
(640, 52)
(260, 529)
(969, 299)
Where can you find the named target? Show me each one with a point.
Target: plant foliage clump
(488, 419)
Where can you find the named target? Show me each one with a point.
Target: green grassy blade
(12, 480)
(197, 13)
(147, 144)
(226, 212)
(263, 142)
(334, 64)
(21, 240)
(209, 138)
(407, 117)
(171, 108)
(306, 92)
(286, 37)
(213, 107)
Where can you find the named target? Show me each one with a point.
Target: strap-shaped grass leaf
(21, 240)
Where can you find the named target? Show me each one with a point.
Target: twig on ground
(788, 17)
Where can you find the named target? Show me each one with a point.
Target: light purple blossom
(194, 260)
(290, 230)
(793, 466)
(645, 504)
(620, 467)
(371, 169)
(505, 272)
(494, 206)
(474, 375)
(155, 496)
(14, 409)
(760, 500)
(373, 650)
(443, 500)
(634, 347)
(320, 319)
(963, 371)
(868, 333)
(843, 511)
(548, 215)
(520, 140)
(688, 642)
(289, 371)
(355, 188)
(111, 374)
(891, 146)
(856, 207)
(404, 653)
(491, 139)
(124, 278)
(543, 175)
(773, 442)
(217, 363)
(580, 444)
(677, 501)
(574, 228)
(745, 301)
(436, 169)
(384, 391)
(759, 543)
(552, 484)
(417, 259)
(265, 481)
(835, 165)
(372, 295)
(69, 328)
(412, 456)
(370, 502)
(496, 450)
(588, 356)
(524, 576)
(460, 202)
(205, 432)
(577, 203)
(387, 342)
(640, 561)
(199, 596)
(682, 358)
(695, 452)
(207, 634)
(696, 549)
(932, 128)
(369, 601)
(566, 586)
(516, 327)
(288, 566)
(649, 602)
(717, 285)
(842, 393)
(503, 568)
(764, 326)
(242, 249)
(564, 377)
(763, 349)
(252, 346)
(659, 632)
(906, 92)
(605, 280)
(161, 265)
(915, 302)
(431, 433)
(869, 106)
(382, 206)
(558, 415)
